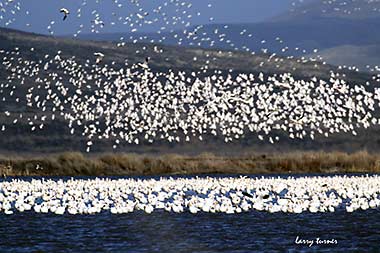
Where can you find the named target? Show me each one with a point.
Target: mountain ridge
(308, 31)
(55, 137)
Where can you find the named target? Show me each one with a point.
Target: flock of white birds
(136, 104)
(213, 195)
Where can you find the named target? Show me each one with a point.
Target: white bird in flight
(145, 64)
(99, 57)
(65, 11)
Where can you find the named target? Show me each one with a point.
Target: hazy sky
(42, 12)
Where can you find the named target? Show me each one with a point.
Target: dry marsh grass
(76, 164)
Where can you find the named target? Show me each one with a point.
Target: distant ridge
(312, 25)
(56, 137)
(345, 9)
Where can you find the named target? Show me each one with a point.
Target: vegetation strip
(77, 164)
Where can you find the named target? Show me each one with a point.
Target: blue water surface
(202, 232)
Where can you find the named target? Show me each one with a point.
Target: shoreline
(77, 164)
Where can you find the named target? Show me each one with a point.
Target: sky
(42, 13)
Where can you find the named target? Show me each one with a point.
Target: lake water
(203, 232)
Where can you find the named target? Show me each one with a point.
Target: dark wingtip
(247, 194)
